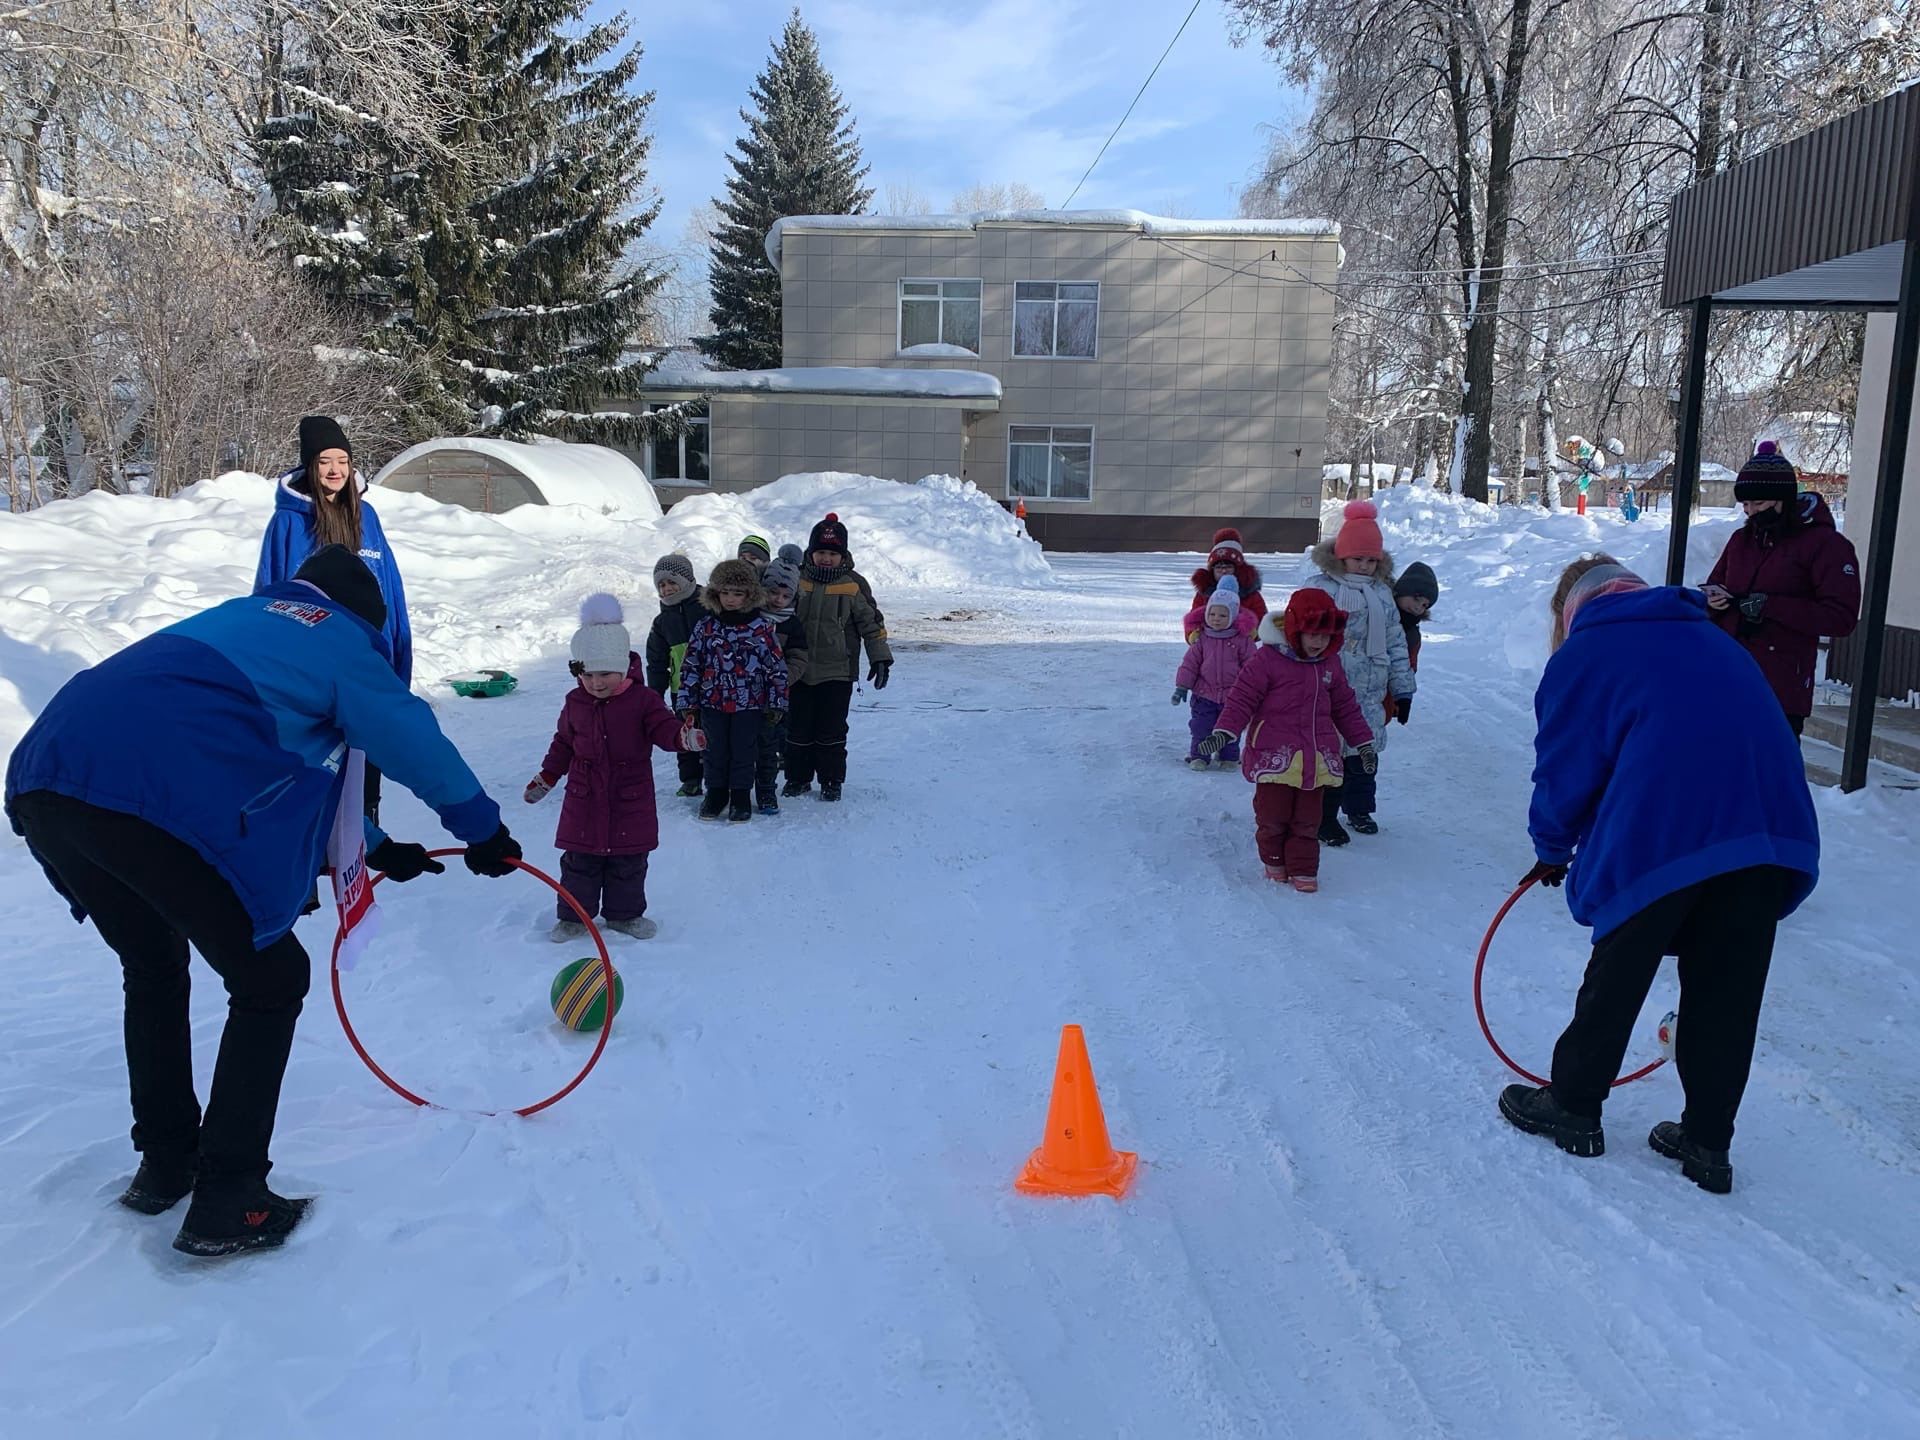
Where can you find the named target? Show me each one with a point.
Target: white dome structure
(496, 475)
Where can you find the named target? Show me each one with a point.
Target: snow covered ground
(783, 1202)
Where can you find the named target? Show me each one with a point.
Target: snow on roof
(591, 475)
(1139, 220)
(1816, 441)
(874, 382)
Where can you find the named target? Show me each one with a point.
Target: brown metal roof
(1818, 221)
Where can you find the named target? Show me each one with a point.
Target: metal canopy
(1827, 221)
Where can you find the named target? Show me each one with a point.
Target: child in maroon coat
(609, 728)
(1294, 702)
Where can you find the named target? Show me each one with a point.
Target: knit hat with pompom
(1769, 475)
(829, 534)
(1226, 548)
(1227, 594)
(602, 643)
(1359, 535)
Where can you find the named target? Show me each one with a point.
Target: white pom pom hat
(602, 643)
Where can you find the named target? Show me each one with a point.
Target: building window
(1050, 462)
(1055, 322)
(682, 459)
(942, 313)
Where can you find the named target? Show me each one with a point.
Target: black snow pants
(150, 895)
(817, 732)
(1722, 930)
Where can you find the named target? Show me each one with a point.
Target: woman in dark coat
(1786, 578)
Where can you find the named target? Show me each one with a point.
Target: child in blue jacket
(1665, 850)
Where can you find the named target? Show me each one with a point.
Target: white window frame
(900, 298)
(705, 422)
(1054, 443)
(1013, 337)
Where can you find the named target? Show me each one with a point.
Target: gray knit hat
(676, 565)
(781, 574)
(794, 556)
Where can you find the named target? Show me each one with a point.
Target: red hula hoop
(606, 1029)
(1480, 1010)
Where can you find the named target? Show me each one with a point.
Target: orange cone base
(1040, 1178)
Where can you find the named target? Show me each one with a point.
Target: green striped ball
(580, 994)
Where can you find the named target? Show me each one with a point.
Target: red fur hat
(1311, 611)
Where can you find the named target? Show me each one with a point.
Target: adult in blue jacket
(1669, 794)
(322, 501)
(205, 825)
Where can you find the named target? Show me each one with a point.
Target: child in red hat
(1227, 557)
(1294, 702)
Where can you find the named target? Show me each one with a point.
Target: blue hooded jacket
(246, 714)
(290, 540)
(1662, 759)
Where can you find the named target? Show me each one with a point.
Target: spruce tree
(566, 202)
(491, 267)
(798, 157)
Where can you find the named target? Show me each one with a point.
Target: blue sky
(949, 94)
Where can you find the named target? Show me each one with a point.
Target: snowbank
(81, 578)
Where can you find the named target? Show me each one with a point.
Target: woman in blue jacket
(1669, 794)
(320, 502)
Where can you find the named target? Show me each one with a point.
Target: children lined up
(751, 672)
(1313, 696)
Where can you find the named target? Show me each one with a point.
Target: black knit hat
(1769, 475)
(344, 579)
(829, 534)
(1418, 579)
(318, 433)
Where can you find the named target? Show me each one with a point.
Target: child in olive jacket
(839, 616)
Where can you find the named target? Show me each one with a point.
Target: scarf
(1372, 595)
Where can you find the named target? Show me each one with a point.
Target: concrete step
(1896, 733)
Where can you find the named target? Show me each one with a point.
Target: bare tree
(1013, 195)
(901, 198)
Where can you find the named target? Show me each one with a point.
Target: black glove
(877, 676)
(1402, 708)
(1752, 605)
(1369, 761)
(1546, 873)
(401, 861)
(1215, 743)
(490, 856)
(775, 719)
(1179, 694)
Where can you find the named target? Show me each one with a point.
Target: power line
(1136, 99)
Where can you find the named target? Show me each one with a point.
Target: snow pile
(81, 578)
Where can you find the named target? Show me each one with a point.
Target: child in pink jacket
(1212, 664)
(1294, 702)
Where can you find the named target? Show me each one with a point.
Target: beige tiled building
(1157, 379)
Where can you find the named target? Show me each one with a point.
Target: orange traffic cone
(1076, 1157)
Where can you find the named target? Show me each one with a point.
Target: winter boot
(829, 789)
(1277, 874)
(565, 930)
(160, 1183)
(1332, 832)
(692, 789)
(1364, 824)
(639, 928)
(1533, 1109)
(767, 798)
(1306, 884)
(228, 1222)
(714, 806)
(1199, 762)
(1709, 1169)
(741, 808)
(796, 787)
